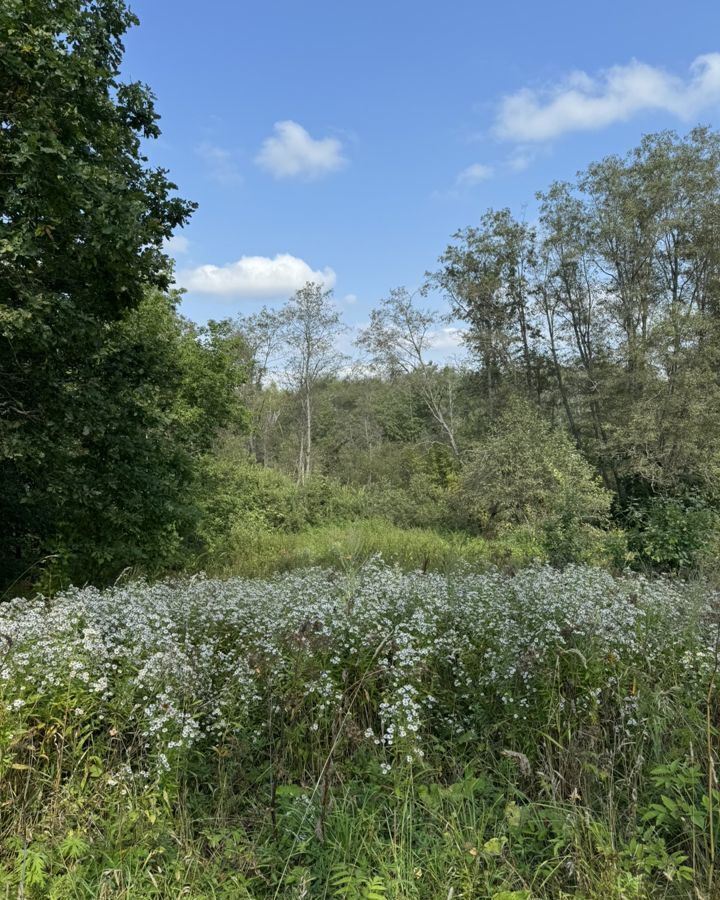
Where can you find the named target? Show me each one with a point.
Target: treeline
(593, 351)
(584, 424)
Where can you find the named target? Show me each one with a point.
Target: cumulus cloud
(447, 339)
(291, 152)
(474, 174)
(254, 277)
(583, 102)
(220, 164)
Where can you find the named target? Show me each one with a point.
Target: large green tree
(607, 311)
(83, 218)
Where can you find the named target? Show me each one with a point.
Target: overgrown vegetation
(468, 642)
(584, 410)
(372, 734)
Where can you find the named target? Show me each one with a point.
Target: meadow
(371, 733)
(414, 598)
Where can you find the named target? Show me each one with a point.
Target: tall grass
(253, 551)
(257, 552)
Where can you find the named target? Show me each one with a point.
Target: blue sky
(350, 140)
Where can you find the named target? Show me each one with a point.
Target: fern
(374, 889)
(343, 881)
(350, 883)
(33, 867)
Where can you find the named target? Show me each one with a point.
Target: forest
(295, 609)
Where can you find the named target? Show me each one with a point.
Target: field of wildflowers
(363, 734)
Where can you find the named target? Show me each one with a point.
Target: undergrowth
(254, 551)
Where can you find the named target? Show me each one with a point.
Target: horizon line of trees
(591, 395)
(603, 316)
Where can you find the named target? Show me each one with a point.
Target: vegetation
(373, 734)
(584, 409)
(467, 645)
(106, 395)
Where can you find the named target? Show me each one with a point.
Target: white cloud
(520, 160)
(474, 174)
(176, 245)
(447, 339)
(221, 165)
(350, 299)
(254, 277)
(582, 102)
(291, 152)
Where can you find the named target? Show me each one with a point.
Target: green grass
(259, 552)
(254, 551)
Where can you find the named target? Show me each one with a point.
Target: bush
(675, 533)
(321, 500)
(421, 503)
(528, 474)
(247, 509)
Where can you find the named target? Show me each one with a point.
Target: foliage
(675, 533)
(525, 472)
(460, 721)
(398, 340)
(82, 224)
(486, 276)
(360, 735)
(601, 319)
(258, 552)
(606, 312)
(236, 496)
(161, 388)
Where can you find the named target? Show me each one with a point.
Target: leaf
(513, 814)
(495, 846)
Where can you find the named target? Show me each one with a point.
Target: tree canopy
(97, 414)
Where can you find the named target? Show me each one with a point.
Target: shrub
(239, 499)
(527, 473)
(675, 533)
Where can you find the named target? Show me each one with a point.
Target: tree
(82, 224)
(486, 275)
(263, 334)
(160, 392)
(311, 327)
(606, 313)
(630, 286)
(398, 339)
(524, 472)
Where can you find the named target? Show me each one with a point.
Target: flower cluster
(396, 662)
